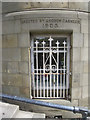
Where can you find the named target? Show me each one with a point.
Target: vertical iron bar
(64, 72)
(43, 70)
(47, 85)
(50, 39)
(57, 65)
(40, 83)
(54, 84)
(60, 83)
(37, 63)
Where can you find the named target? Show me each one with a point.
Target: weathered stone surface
(15, 79)
(84, 102)
(10, 90)
(12, 67)
(7, 27)
(0, 82)
(84, 26)
(24, 54)
(10, 27)
(58, 4)
(77, 40)
(83, 15)
(48, 4)
(78, 5)
(11, 54)
(0, 54)
(11, 40)
(4, 79)
(17, 26)
(86, 42)
(26, 81)
(4, 67)
(23, 67)
(85, 67)
(0, 41)
(76, 80)
(24, 92)
(84, 54)
(23, 40)
(12, 79)
(84, 79)
(76, 54)
(76, 93)
(4, 41)
(85, 91)
(78, 67)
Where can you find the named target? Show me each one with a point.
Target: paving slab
(12, 111)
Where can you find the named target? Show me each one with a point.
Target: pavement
(12, 111)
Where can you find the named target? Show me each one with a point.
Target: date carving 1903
(50, 25)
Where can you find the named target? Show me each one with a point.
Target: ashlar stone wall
(16, 41)
(15, 66)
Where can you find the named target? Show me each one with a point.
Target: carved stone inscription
(49, 22)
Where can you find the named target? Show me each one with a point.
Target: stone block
(0, 82)
(0, 41)
(4, 66)
(23, 40)
(25, 27)
(75, 102)
(78, 5)
(11, 40)
(10, 90)
(4, 79)
(85, 91)
(24, 92)
(23, 67)
(17, 25)
(26, 81)
(76, 54)
(15, 80)
(24, 54)
(0, 66)
(83, 15)
(84, 102)
(75, 80)
(0, 54)
(77, 40)
(58, 5)
(12, 79)
(12, 67)
(11, 26)
(84, 26)
(86, 42)
(84, 54)
(11, 54)
(78, 67)
(85, 67)
(75, 83)
(76, 93)
(4, 41)
(5, 55)
(84, 79)
(7, 27)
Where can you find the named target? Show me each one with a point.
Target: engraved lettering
(51, 25)
(49, 22)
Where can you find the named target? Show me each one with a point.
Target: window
(50, 57)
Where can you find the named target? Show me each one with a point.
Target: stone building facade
(23, 22)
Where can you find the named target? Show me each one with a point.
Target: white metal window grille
(50, 67)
